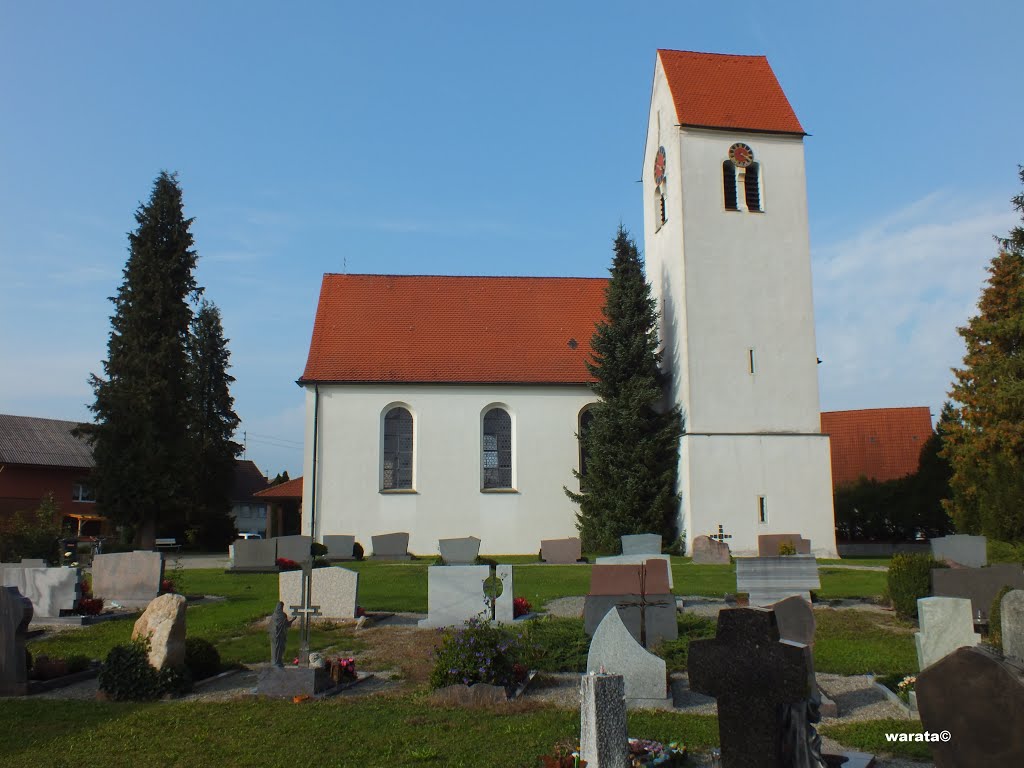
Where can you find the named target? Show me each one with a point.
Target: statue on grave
(278, 630)
(801, 743)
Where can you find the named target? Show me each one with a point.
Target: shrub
(910, 579)
(78, 663)
(357, 551)
(317, 549)
(127, 675)
(786, 549)
(175, 680)
(1004, 552)
(995, 619)
(557, 644)
(479, 653)
(201, 658)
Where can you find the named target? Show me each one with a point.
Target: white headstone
(641, 544)
(455, 594)
(50, 590)
(613, 650)
(335, 590)
(127, 577)
(946, 624)
(504, 606)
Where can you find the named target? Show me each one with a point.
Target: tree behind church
(631, 443)
(985, 441)
(212, 423)
(140, 437)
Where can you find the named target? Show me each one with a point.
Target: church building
(449, 406)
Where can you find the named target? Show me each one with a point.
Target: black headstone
(978, 700)
(979, 585)
(15, 615)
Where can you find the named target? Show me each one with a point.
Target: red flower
(520, 607)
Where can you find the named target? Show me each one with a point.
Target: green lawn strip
(373, 731)
(869, 736)
(392, 585)
(842, 582)
(851, 642)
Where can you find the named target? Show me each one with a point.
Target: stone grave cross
(753, 675)
(306, 610)
(721, 536)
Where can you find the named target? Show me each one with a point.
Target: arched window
(586, 416)
(752, 187)
(396, 450)
(729, 185)
(496, 449)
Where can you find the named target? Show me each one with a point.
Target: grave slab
(15, 615)
(707, 551)
(339, 546)
(390, 546)
(641, 544)
(295, 548)
(254, 555)
(979, 585)
(979, 700)
(960, 548)
(946, 625)
(603, 732)
(130, 578)
(335, 591)
(1011, 608)
(455, 594)
(768, 544)
(51, 590)
(459, 551)
(563, 551)
(614, 651)
(282, 682)
(770, 579)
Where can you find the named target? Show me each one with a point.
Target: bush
(910, 579)
(317, 549)
(1004, 552)
(127, 675)
(357, 551)
(201, 658)
(557, 644)
(995, 619)
(479, 653)
(33, 534)
(786, 549)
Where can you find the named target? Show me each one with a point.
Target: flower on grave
(520, 607)
(167, 585)
(286, 564)
(905, 686)
(360, 611)
(646, 752)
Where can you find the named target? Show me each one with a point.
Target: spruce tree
(985, 444)
(213, 422)
(140, 435)
(632, 442)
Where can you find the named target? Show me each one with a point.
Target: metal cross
(306, 611)
(721, 535)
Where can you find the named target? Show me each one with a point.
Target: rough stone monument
(603, 734)
(708, 551)
(946, 625)
(613, 650)
(15, 615)
(163, 622)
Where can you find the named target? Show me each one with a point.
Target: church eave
(302, 382)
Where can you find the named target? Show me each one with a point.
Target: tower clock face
(659, 166)
(741, 155)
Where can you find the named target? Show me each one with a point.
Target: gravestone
(641, 544)
(504, 606)
(563, 551)
(51, 590)
(390, 546)
(756, 678)
(287, 682)
(708, 551)
(296, 548)
(339, 547)
(768, 544)
(946, 625)
(978, 700)
(455, 594)
(638, 560)
(962, 549)
(604, 738)
(642, 597)
(335, 590)
(254, 555)
(615, 651)
(32, 562)
(1011, 609)
(770, 579)
(130, 578)
(979, 585)
(795, 619)
(459, 551)
(15, 615)
(163, 622)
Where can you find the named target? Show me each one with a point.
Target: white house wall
(447, 501)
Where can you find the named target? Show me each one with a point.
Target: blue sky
(473, 138)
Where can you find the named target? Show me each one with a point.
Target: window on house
(762, 510)
(396, 451)
(729, 185)
(586, 416)
(496, 454)
(752, 187)
(81, 491)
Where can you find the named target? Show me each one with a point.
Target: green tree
(213, 422)
(985, 444)
(632, 441)
(279, 478)
(140, 434)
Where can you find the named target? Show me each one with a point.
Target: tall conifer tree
(212, 425)
(632, 441)
(140, 437)
(985, 440)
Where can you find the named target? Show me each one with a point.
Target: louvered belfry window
(396, 452)
(497, 449)
(752, 187)
(729, 185)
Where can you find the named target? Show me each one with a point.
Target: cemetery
(577, 656)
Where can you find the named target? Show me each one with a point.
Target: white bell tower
(728, 257)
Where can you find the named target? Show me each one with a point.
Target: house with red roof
(449, 406)
(876, 443)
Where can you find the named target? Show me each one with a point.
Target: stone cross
(754, 676)
(603, 735)
(306, 611)
(15, 615)
(721, 536)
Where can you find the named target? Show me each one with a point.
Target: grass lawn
(869, 736)
(851, 642)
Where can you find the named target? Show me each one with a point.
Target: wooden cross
(754, 676)
(721, 535)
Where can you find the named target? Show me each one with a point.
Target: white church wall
(446, 501)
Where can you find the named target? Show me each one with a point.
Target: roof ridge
(464, 277)
(715, 53)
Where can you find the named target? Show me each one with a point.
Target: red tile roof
(716, 90)
(877, 443)
(414, 328)
(291, 489)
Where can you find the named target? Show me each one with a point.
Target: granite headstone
(708, 551)
(295, 548)
(459, 551)
(455, 594)
(768, 544)
(51, 590)
(641, 544)
(339, 546)
(979, 585)
(604, 738)
(962, 549)
(768, 580)
(130, 578)
(390, 546)
(1011, 609)
(15, 615)
(334, 589)
(638, 560)
(504, 606)
(562, 551)
(254, 555)
(613, 650)
(946, 625)
(642, 597)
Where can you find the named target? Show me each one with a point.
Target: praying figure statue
(278, 630)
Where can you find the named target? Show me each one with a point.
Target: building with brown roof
(876, 443)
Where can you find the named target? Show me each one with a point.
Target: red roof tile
(414, 328)
(877, 443)
(716, 90)
(290, 489)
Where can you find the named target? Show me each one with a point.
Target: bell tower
(728, 258)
